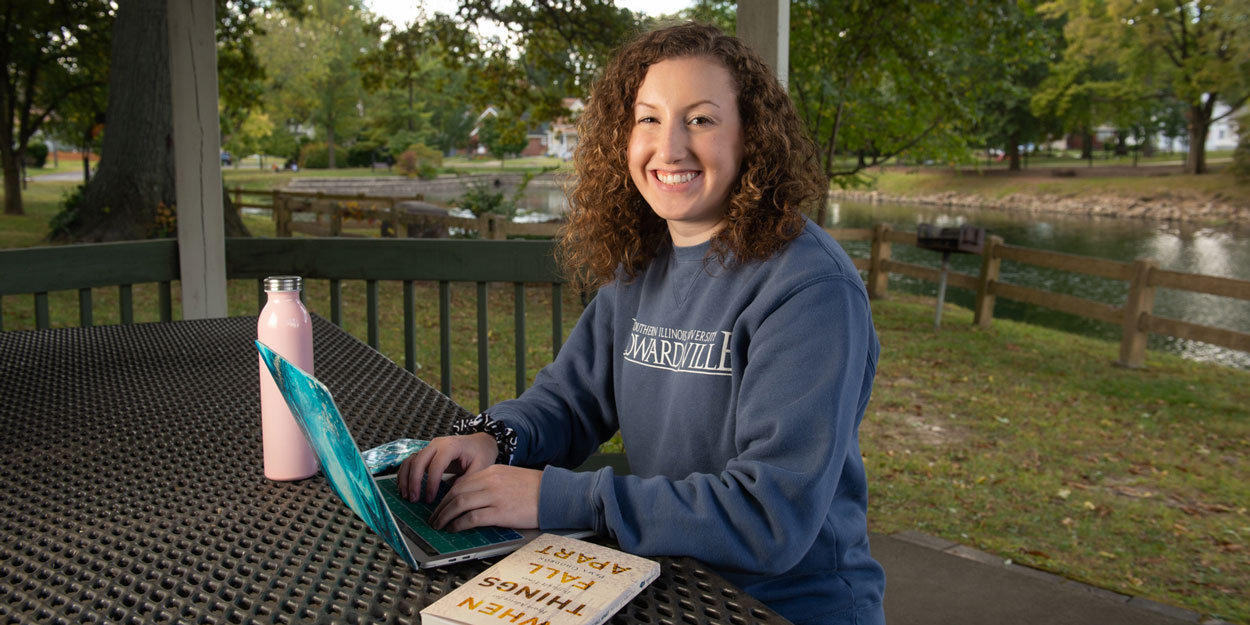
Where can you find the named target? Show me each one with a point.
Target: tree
(310, 61)
(136, 171)
(1007, 117)
(502, 135)
(878, 80)
(552, 49)
(1197, 52)
(50, 53)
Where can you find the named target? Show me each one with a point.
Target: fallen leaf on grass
(1106, 554)
(1035, 552)
(1064, 493)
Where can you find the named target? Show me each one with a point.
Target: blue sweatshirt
(738, 393)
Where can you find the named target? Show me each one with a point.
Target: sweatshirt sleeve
(804, 386)
(569, 410)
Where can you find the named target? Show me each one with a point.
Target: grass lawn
(1026, 442)
(1220, 185)
(1018, 440)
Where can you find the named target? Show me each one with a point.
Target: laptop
(403, 524)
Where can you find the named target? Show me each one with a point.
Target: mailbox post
(961, 240)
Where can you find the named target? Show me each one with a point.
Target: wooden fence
(417, 217)
(83, 267)
(1135, 317)
(40, 270)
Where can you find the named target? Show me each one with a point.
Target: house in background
(557, 138)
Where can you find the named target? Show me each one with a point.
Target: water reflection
(1179, 247)
(1186, 248)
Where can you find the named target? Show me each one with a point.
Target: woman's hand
(460, 455)
(497, 495)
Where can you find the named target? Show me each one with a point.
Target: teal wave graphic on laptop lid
(317, 415)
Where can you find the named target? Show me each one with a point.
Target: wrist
(505, 437)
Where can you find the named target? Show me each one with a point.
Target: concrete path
(931, 581)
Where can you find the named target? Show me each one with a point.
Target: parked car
(226, 159)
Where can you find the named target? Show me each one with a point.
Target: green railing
(39, 271)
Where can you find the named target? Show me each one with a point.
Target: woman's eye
(647, 120)
(700, 121)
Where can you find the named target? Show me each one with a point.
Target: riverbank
(1151, 192)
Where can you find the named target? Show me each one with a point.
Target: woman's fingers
(499, 495)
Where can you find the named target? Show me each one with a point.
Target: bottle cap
(283, 283)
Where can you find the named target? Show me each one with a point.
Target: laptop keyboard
(416, 515)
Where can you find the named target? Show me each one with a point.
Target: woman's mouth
(675, 178)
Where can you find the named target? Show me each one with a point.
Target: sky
(402, 11)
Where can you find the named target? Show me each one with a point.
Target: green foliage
(876, 80)
(481, 198)
(1160, 51)
(62, 224)
(363, 154)
(421, 161)
(55, 59)
(314, 155)
(503, 135)
(36, 154)
(1241, 155)
(554, 50)
(313, 80)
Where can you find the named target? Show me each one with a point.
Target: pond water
(1219, 251)
(1223, 251)
(1188, 248)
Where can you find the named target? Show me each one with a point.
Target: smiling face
(685, 148)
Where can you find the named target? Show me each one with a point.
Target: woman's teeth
(675, 178)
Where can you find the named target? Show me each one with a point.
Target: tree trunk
(330, 143)
(1013, 151)
(12, 180)
(135, 173)
(1199, 125)
(1087, 146)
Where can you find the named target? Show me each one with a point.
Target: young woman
(730, 342)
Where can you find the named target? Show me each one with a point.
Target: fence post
(878, 278)
(281, 215)
(336, 220)
(983, 308)
(1141, 300)
(238, 200)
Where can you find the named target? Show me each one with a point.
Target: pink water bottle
(287, 329)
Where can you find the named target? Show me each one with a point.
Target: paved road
(63, 176)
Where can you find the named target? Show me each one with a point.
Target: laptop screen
(323, 426)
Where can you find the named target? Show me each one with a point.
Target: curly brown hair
(610, 226)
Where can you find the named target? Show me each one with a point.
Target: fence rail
(1135, 316)
(414, 214)
(38, 271)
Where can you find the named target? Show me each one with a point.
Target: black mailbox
(962, 240)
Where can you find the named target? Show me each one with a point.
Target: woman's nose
(673, 143)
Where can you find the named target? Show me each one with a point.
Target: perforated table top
(131, 489)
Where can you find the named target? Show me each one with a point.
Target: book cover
(552, 580)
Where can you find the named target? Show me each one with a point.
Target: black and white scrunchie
(505, 437)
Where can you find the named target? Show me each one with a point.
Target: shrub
(36, 155)
(421, 161)
(362, 154)
(62, 224)
(1241, 155)
(314, 155)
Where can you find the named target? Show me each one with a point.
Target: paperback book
(552, 580)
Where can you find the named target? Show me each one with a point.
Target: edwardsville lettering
(681, 350)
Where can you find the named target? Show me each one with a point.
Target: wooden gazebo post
(197, 157)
